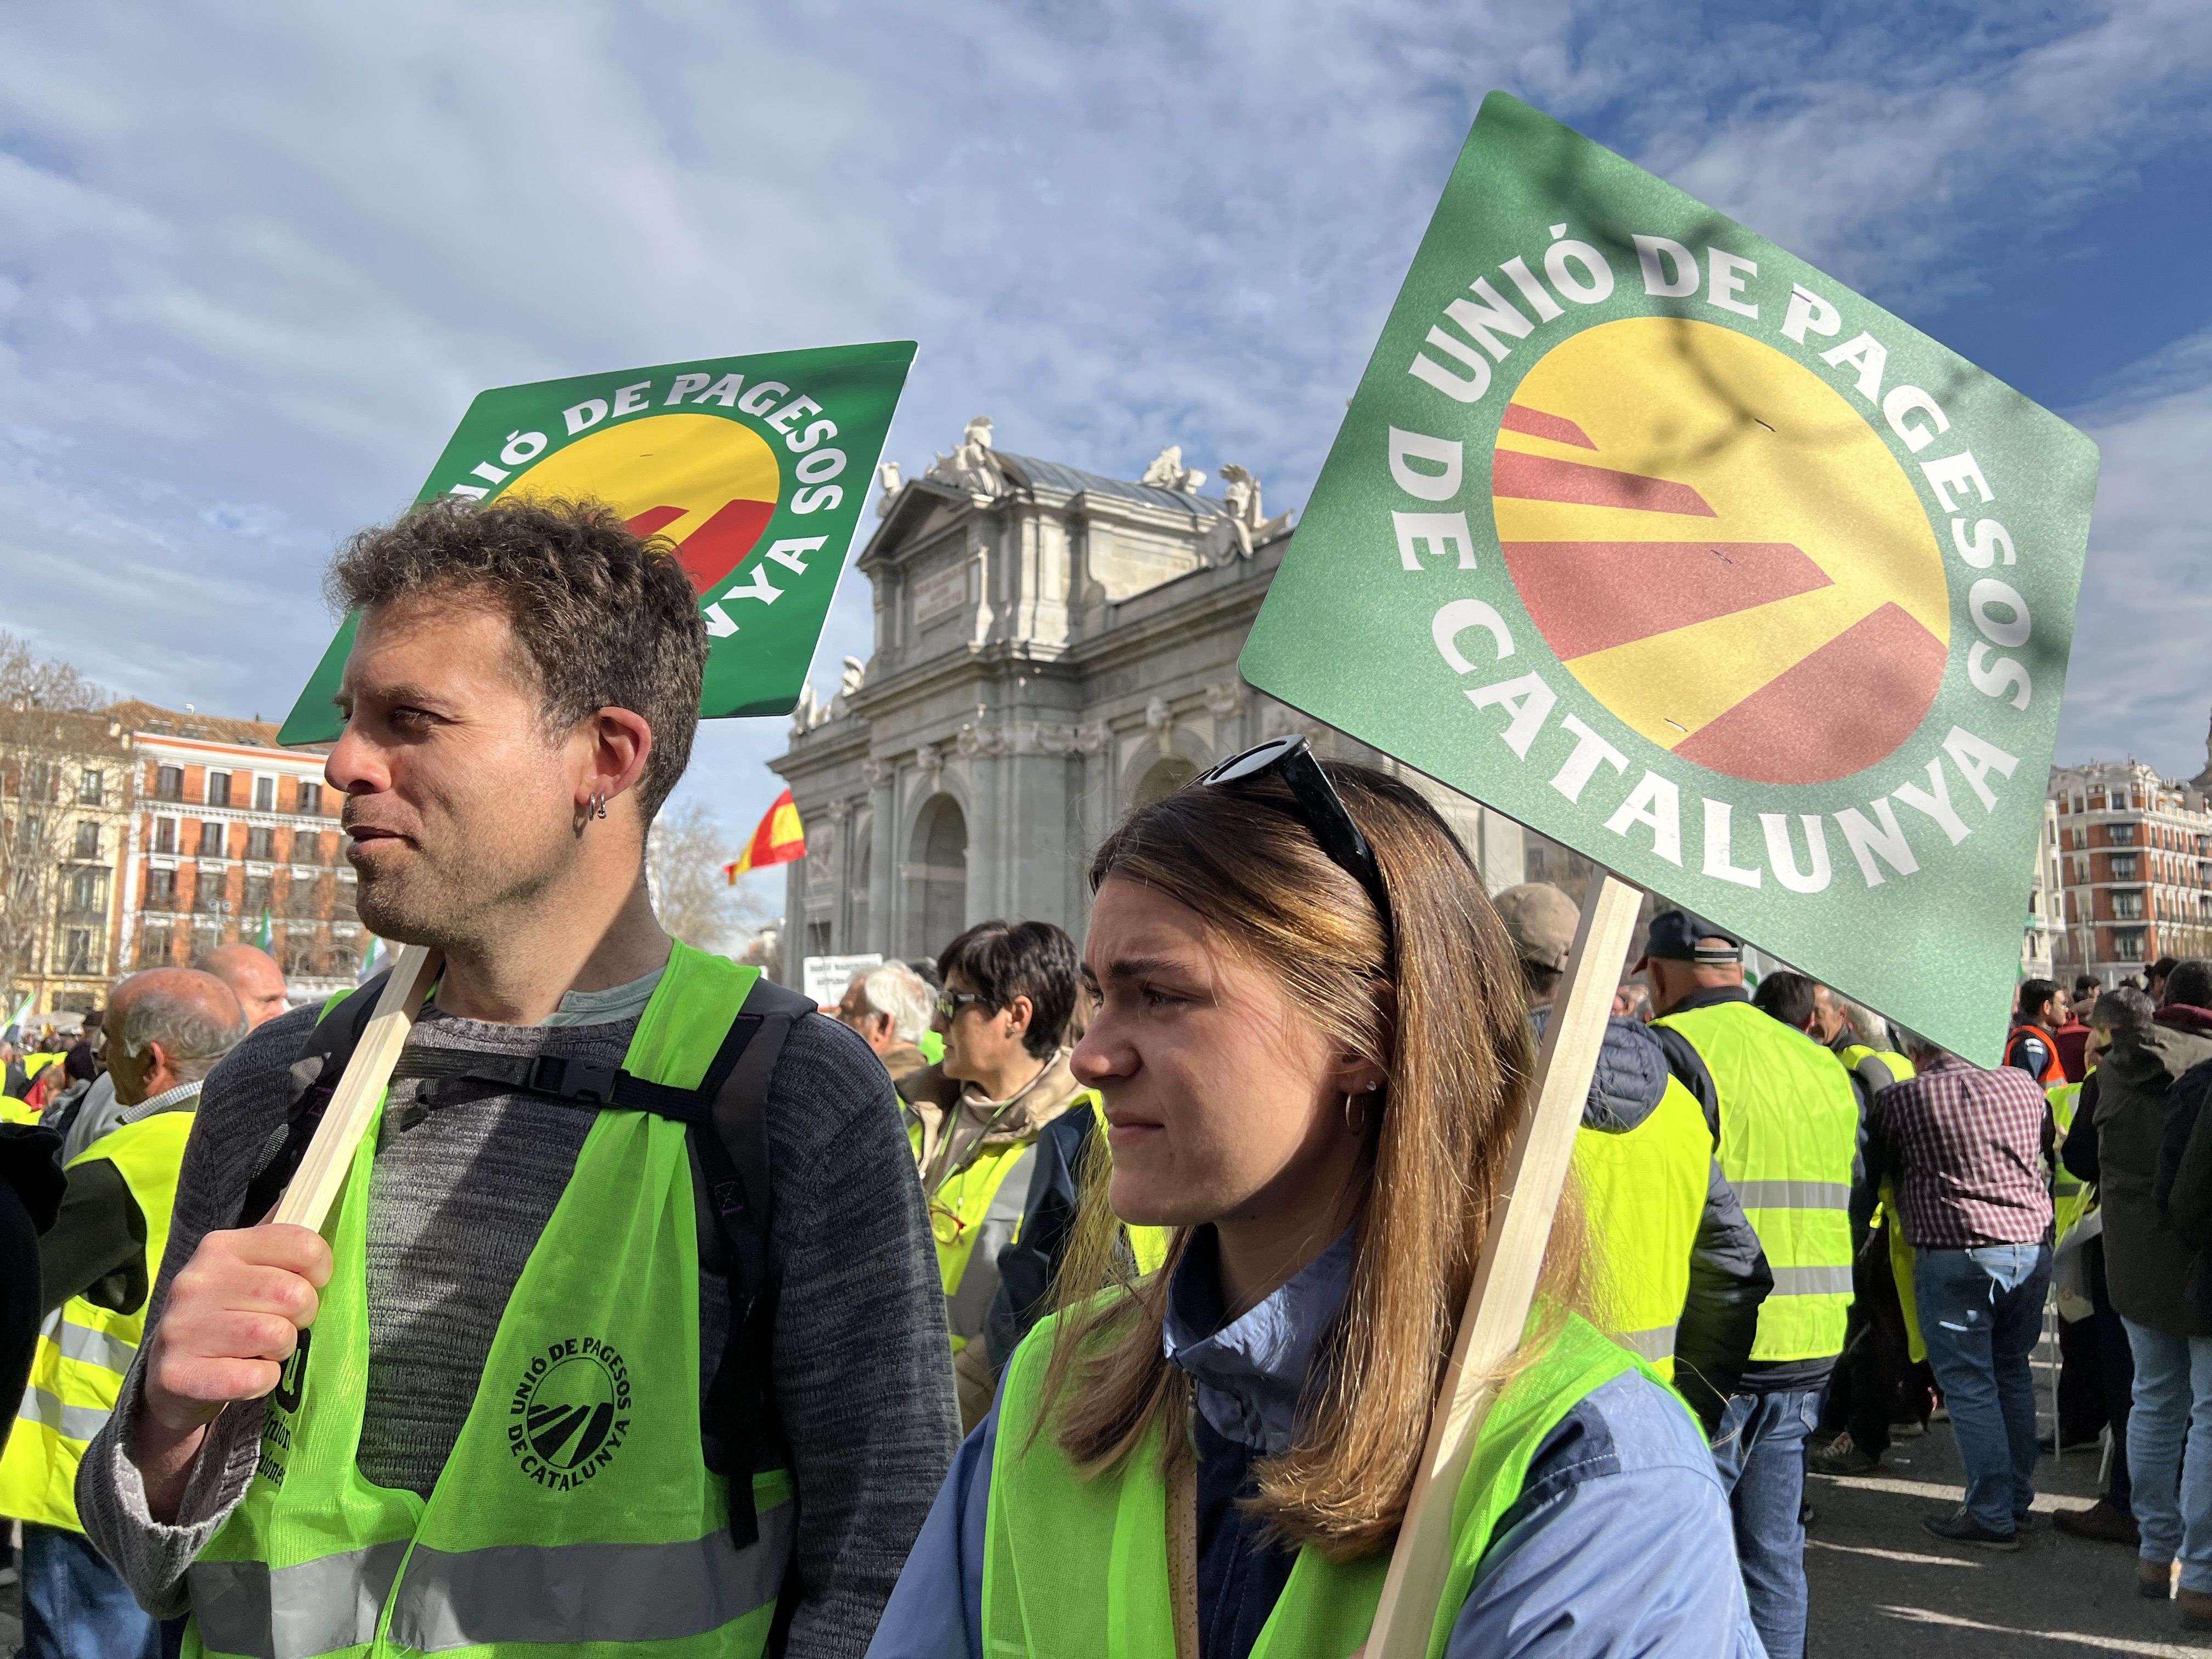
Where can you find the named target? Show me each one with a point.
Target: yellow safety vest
(1885, 1213)
(84, 1351)
(1077, 1563)
(576, 1513)
(1789, 1124)
(980, 1202)
(2071, 1197)
(1900, 1068)
(1643, 1194)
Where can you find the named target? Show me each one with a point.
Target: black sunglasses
(1316, 804)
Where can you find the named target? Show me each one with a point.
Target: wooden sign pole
(1512, 1255)
(322, 1171)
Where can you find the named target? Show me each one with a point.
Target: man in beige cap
(1680, 1272)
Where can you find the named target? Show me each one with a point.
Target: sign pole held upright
(1490, 1328)
(306, 1202)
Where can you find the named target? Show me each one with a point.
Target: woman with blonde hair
(1313, 1050)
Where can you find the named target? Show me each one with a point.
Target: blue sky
(255, 261)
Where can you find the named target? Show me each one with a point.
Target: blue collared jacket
(1622, 1543)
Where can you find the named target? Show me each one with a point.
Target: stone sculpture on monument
(1167, 471)
(969, 466)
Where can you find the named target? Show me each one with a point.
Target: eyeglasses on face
(1314, 803)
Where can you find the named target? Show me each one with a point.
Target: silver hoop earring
(1354, 1128)
(599, 807)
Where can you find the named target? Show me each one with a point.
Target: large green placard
(1660, 540)
(757, 467)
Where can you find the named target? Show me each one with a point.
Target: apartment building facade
(235, 838)
(66, 784)
(2135, 856)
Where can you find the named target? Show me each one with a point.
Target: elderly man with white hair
(165, 1030)
(890, 1007)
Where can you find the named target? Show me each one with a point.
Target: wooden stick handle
(306, 1202)
(1512, 1257)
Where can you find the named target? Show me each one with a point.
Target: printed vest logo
(1721, 549)
(569, 1412)
(283, 1413)
(709, 484)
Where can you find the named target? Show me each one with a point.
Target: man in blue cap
(1785, 1125)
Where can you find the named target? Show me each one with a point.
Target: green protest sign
(757, 467)
(1654, 538)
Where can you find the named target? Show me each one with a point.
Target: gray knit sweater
(860, 1367)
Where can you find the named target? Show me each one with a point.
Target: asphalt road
(1881, 1586)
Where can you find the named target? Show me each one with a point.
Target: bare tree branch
(683, 863)
(46, 682)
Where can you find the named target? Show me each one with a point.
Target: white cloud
(2138, 683)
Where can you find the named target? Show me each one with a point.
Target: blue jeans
(76, 1605)
(1981, 1315)
(2173, 1489)
(1760, 1451)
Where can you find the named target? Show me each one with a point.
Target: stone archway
(937, 878)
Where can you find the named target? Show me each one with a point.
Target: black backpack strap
(314, 1079)
(733, 1159)
(578, 1082)
(726, 1117)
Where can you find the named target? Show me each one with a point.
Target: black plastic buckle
(589, 1081)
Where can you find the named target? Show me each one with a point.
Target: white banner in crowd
(824, 979)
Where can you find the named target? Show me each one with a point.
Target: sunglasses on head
(1314, 802)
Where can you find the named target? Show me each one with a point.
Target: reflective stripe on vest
(70, 1422)
(575, 1506)
(90, 1345)
(83, 1350)
(564, 1593)
(1078, 1565)
(1792, 1194)
(1789, 1123)
(321, 1605)
(1644, 1195)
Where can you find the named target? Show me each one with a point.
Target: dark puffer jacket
(2147, 1263)
(2184, 1177)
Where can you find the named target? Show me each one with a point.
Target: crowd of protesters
(1048, 1290)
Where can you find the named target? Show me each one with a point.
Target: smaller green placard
(1668, 544)
(757, 468)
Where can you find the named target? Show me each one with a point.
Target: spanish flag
(780, 839)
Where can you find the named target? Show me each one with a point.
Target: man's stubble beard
(423, 903)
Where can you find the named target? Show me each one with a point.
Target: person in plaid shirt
(1971, 1151)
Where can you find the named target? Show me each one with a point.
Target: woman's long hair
(1445, 1016)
